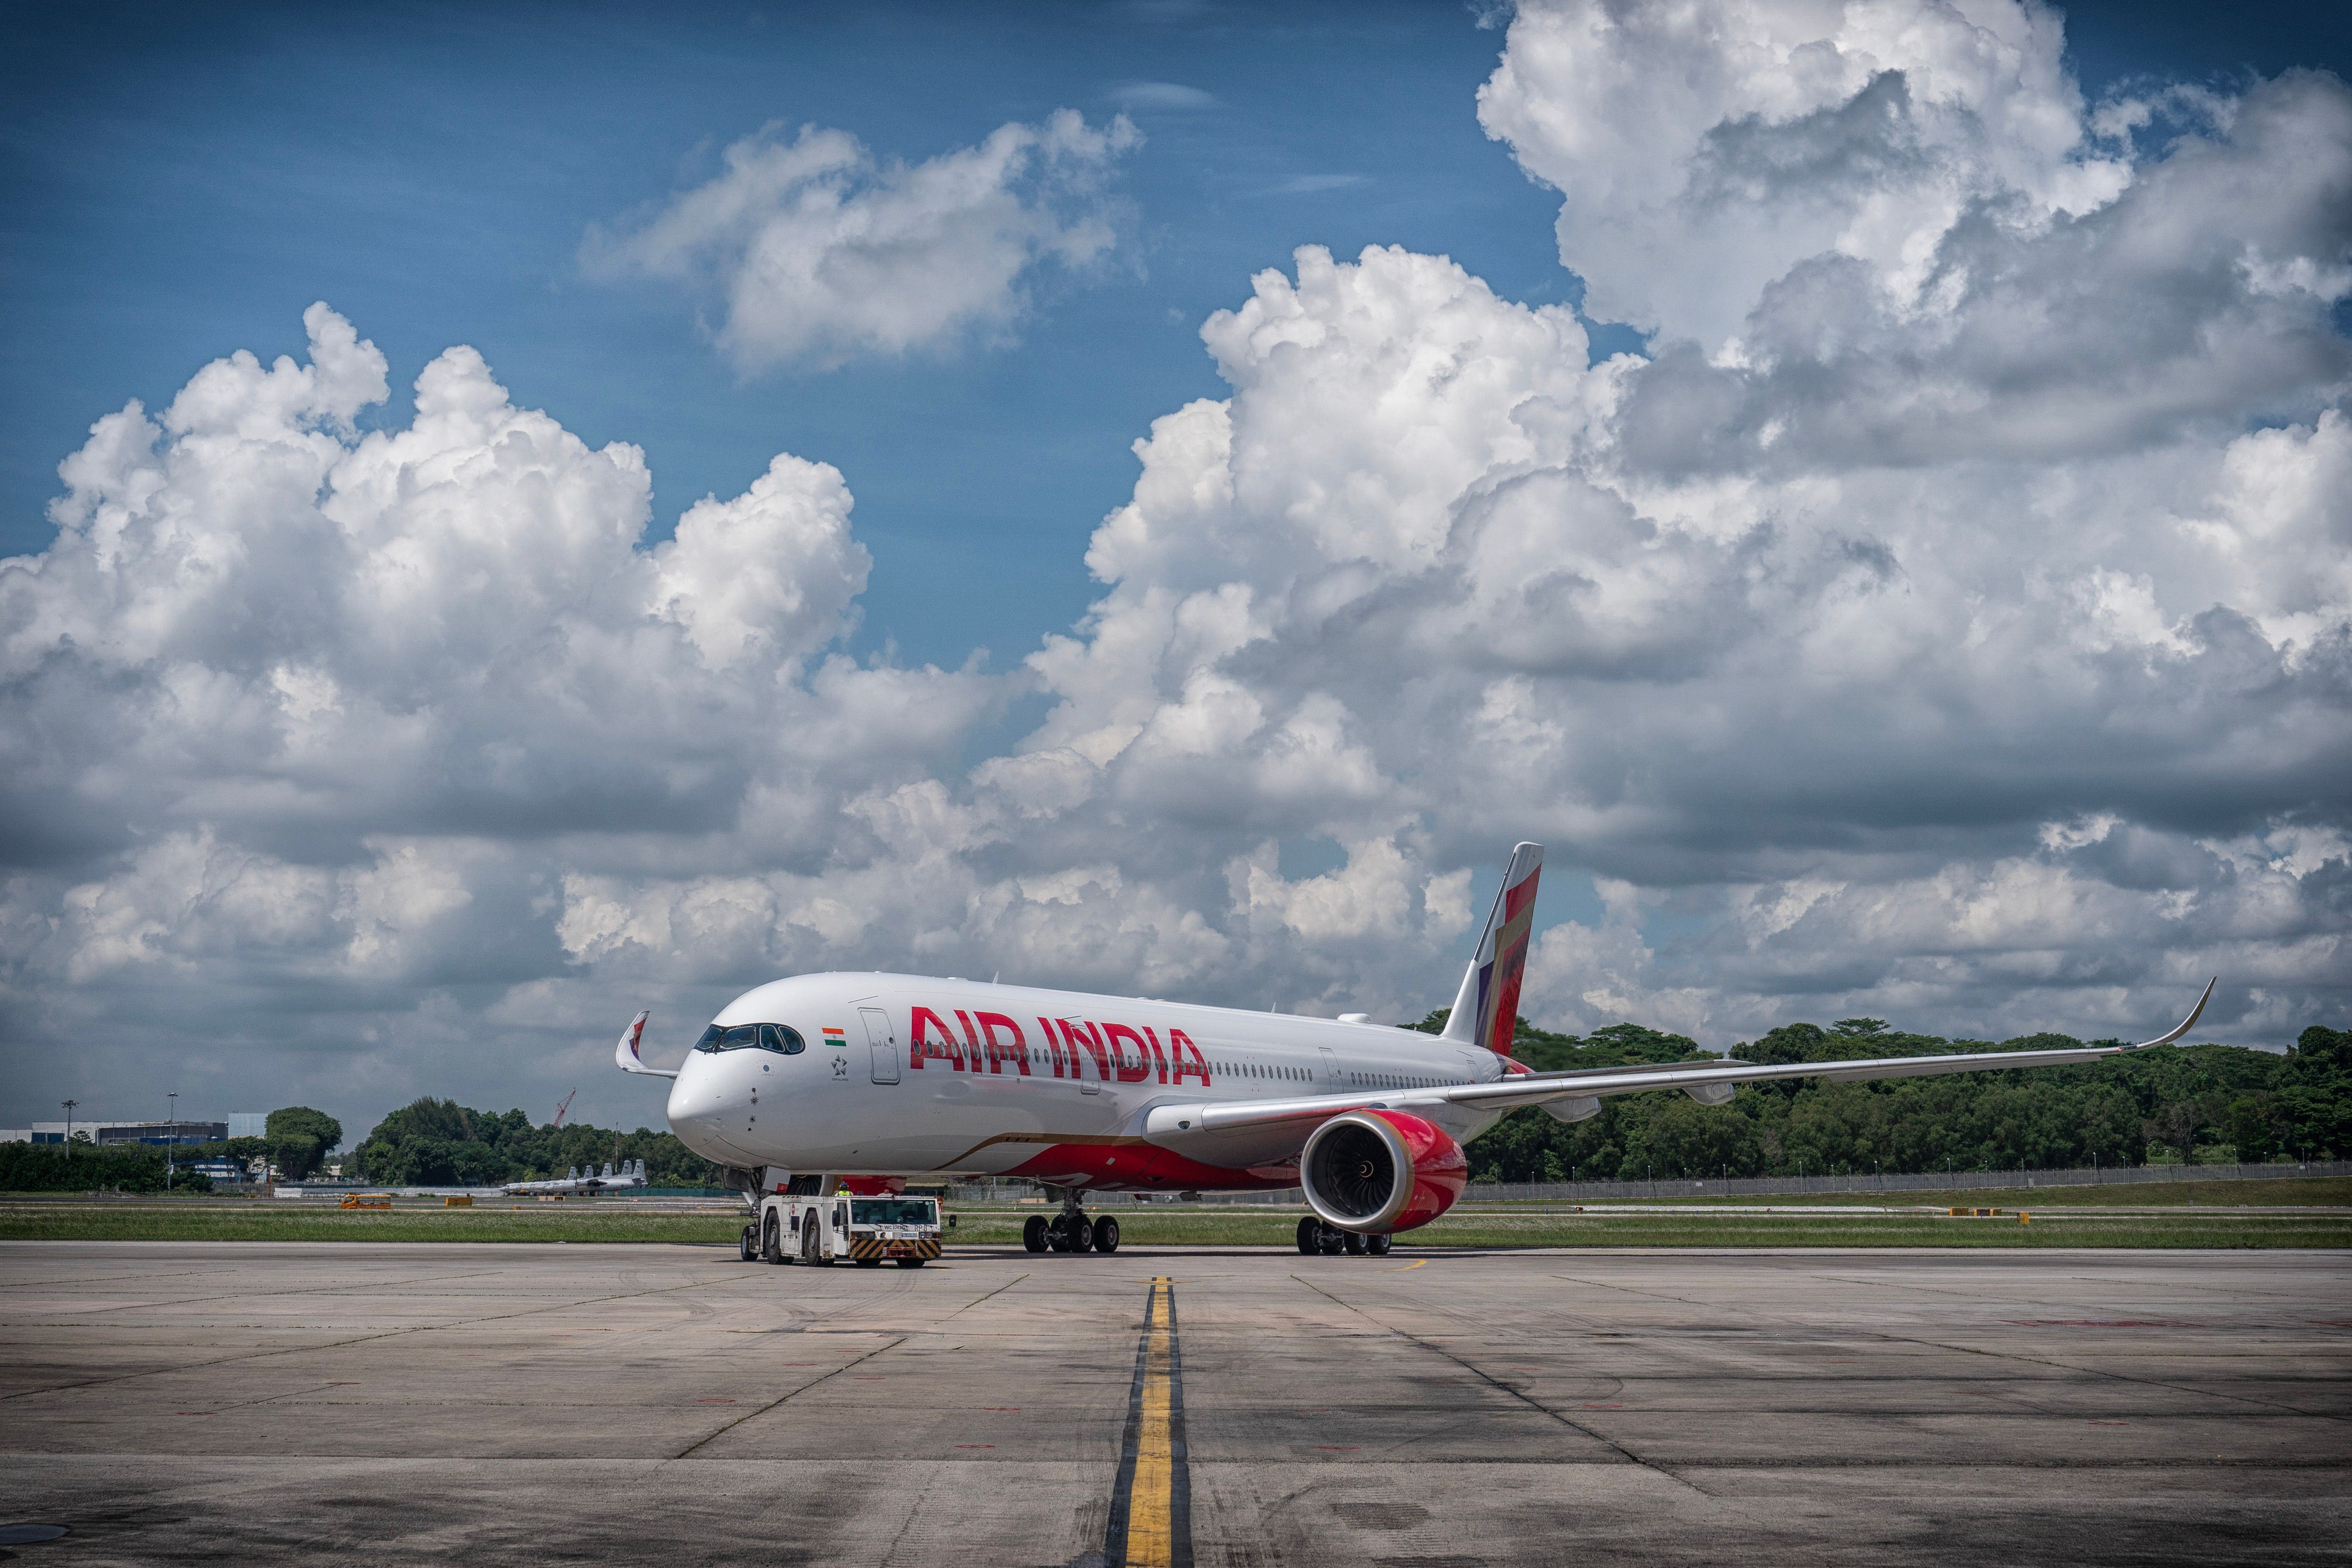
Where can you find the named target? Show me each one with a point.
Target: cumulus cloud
(819, 252)
(295, 710)
(1950, 620)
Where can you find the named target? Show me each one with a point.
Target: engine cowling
(1373, 1171)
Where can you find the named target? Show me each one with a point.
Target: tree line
(294, 1139)
(2119, 1111)
(439, 1142)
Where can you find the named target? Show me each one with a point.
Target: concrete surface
(361, 1404)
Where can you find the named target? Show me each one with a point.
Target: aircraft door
(884, 1045)
(1330, 1066)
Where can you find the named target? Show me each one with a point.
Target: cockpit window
(777, 1038)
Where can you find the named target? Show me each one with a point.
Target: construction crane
(562, 1108)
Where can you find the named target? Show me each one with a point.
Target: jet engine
(1373, 1171)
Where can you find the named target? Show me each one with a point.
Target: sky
(512, 517)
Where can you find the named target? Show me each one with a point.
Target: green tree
(300, 1138)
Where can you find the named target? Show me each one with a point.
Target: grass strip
(2322, 1192)
(1662, 1228)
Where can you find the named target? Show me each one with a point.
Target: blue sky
(1965, 660)
(183, 180)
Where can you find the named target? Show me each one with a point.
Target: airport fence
(1737, 1186)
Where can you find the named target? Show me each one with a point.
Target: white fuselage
(905, 1075)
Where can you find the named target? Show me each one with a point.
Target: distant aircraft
(632, 1174)
(867, 1079)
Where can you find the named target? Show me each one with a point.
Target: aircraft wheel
(1106, 1235)
(771, 1241)
(1033, 1234)
(750, 1253)
(1081, 1232)
(1334, 1240)
(914, 1262)
(1377, 1245)
(1354, 1244)
(1311, 1234)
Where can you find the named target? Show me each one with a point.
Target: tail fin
(1487, 1009)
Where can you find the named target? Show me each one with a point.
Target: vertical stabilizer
(1487, 1009)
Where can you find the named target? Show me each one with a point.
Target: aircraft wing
(1260, 1131)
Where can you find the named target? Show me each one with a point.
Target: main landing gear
(1315, 1237)
(1070, 1230)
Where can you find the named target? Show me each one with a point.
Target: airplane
(871, 1078)
(587, 1184)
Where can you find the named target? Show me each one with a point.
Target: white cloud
(1973, 654)
(819, 252)
(1165, 95)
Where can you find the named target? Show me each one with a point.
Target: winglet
(625, 1057)
(2186, 1023)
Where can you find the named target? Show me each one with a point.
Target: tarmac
(263, 1403)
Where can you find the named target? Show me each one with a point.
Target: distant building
(114, 1132)
(248, 1124)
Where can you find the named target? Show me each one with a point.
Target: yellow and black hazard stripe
(874, 1246)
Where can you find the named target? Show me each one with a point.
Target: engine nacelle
(1373, 1171)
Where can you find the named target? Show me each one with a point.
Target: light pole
(171, 1132)
(70, 1105)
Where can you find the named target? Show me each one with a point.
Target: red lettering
(1189, 1060)
(1018, 1051)
(1134, 1071)
(927, 1046)
(1054, 1047)
(1158, 1061)
(1093, 1044)
(971, 1063)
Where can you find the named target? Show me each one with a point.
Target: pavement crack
(356, 1340)
(1496, 1383)
(794, 1394)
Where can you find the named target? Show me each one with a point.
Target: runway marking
(1416, 1263)
(1151, 1501)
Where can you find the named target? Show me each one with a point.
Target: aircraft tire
(1353, 1244)
(1081, 1232)
(1034, 1236)
(1377, 1245)
(771, 1241)
(1106, 1236)
(1311, 1234)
